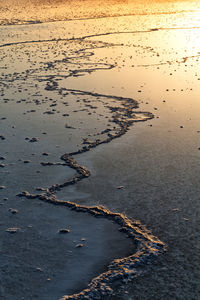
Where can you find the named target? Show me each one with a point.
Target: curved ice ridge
(123, 116)
(148, 247)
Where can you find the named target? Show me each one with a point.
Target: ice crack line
(148, 246)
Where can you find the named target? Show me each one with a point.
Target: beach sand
(99, 151)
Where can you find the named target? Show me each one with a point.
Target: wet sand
(98, 117)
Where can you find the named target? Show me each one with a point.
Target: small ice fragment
(175, 209)
(64, 230)
(79, 245)
(120, 187)
(13, 230)
(34, 139)
(13, 211)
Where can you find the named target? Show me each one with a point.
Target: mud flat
(89, 144)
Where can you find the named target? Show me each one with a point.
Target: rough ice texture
(123, 115)
(148, 246)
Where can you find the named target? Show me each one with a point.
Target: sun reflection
(23, 11)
